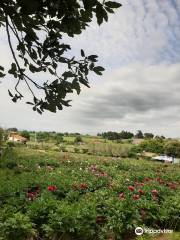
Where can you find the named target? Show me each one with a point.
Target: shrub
(172, 148)
(78, 139)
(17, 226)
(10, 144)
(85, 150)
(76, 150)
(153, 145)
(62, 149)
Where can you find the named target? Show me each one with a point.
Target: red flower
(136, 196)
(131, 188)
(147, 179)
(31, 195)
(143, 213)
(52, 188)
(154, 192)
(140, 191)
(83, 186)
(122, 196)
(172, 185)
(102, 174)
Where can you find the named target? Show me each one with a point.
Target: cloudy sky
(140, 49)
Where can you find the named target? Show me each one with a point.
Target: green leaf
(98, 69)
(93, 58)
(1, 68)
(10, 94)
(39, 111)
(51, 71)
(2, 75)
(82, 53)
(68, 74)
(30, 103)
(13, 70)
(111, 4)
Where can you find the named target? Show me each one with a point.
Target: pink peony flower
(122, 196)
(136, 196)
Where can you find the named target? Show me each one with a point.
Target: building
(15, 137)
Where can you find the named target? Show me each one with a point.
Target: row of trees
(159, 146)
(128, 135)
(115, 135)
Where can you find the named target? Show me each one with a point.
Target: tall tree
(139, 134)
(39, 27)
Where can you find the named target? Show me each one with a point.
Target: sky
(140, 50)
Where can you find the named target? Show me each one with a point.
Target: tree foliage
(1, 136)
(152, 145)
(25, 134)
(148, 135)
(172, 148)
(139, 134)
(117, 136)
(39, 27)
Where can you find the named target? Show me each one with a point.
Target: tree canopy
(35, 33)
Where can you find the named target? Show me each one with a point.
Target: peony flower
(136, 196)
(122, 196)
(83, 186)
(31, 195)
(154, 192)
(131, 188)
(140, 191)
(52, 188)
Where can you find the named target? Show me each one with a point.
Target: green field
(49, 194)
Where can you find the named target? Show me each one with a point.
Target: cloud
(140, 48)
(135, 93)
(146, 31)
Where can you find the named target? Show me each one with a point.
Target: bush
(76, 150)
(17, 226)
(78, 139)
(62, 149)
(172, 148)
(153, 145)
(85, 150)
(10, 144)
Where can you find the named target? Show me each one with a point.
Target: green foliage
(148, 135)
(152, 145)
(25, 134)
(59, 139)
(1, 136)
(172, 148)
(86, 203)
(40, 29)
(16, 226)
(139, 134)
(117, 136)
(109, 149)
(76, 150)
(78, 139)
(10, 144)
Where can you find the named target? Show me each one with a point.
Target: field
(50, 194)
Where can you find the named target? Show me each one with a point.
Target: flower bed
(86, 198)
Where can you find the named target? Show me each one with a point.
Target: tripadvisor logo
(139, 231)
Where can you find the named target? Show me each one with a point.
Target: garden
(77, 196)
